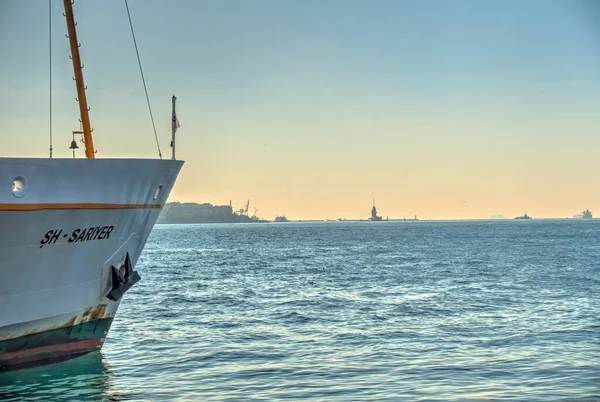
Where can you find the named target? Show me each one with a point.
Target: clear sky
(441, 109)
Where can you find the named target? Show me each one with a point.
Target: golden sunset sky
(441, 109)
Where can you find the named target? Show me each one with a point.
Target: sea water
(378, 311)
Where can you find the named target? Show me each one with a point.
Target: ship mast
(77, 68)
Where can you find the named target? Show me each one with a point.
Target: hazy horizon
(365, 217)
(444, 110)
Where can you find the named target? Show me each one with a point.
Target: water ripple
(349, 312)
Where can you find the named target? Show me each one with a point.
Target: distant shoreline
(191, 213)
(390, 220)
(194, 213)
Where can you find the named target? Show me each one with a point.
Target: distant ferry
(72, 231)
(523, 217)
(587, 214)
(281, 219)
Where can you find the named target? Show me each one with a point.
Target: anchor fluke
(122, 279)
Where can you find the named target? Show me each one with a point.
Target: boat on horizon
(281, 218)
(587, 214)
(72, 231)
(523, 216)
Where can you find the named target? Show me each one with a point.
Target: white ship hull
(67, 222)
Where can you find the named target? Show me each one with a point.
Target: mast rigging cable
(50, 65)
(143, 79)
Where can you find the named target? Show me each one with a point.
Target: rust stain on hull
(93, 313)
(89, 314)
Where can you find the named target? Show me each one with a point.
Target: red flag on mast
(174, 120)
(174, 126)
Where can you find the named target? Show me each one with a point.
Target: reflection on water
(84, 378)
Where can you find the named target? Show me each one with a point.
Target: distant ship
(587, 214)
(281, 219)
(523, 217)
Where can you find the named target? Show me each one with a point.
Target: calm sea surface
(349, 312)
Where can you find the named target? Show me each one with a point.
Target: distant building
(374, 216)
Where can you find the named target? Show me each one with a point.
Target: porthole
(19, 185)
(158, 190)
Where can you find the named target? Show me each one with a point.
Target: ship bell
(74, 145)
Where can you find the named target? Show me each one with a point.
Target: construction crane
(244, 211)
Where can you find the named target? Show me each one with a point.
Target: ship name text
(77, 235)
